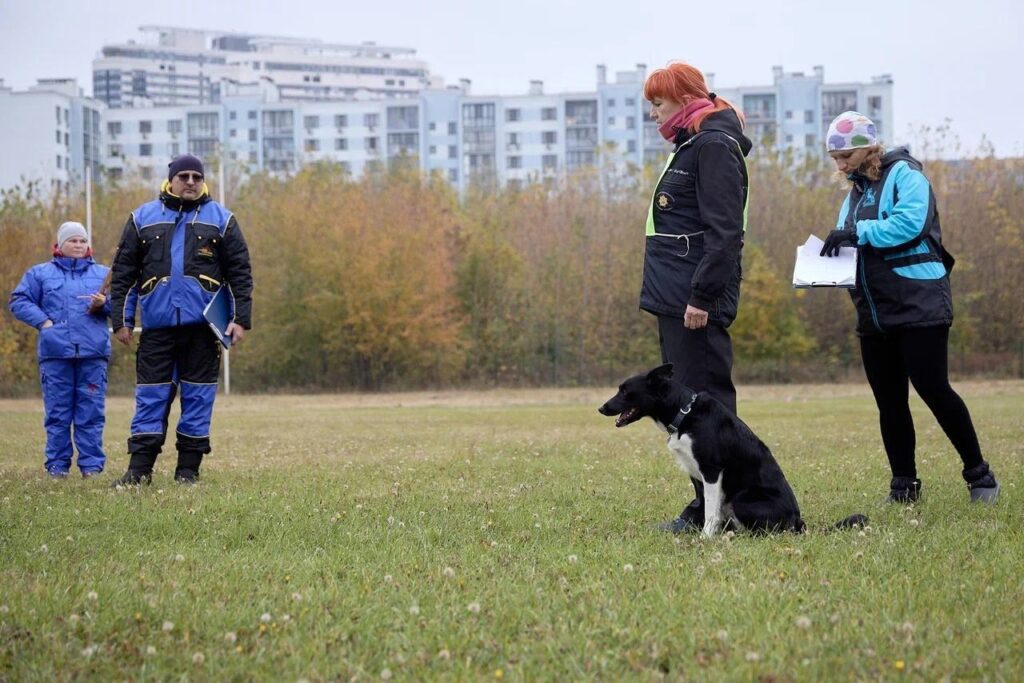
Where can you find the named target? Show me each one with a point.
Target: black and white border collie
(744, 487)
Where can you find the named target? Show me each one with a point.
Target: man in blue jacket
(61, 298)
(176, 252)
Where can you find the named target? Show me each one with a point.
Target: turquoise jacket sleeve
(902, 225)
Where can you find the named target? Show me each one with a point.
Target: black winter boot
(904, 490)
(982, 484)
(140, 471)
(187, 471)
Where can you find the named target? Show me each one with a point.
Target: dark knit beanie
(185, 162)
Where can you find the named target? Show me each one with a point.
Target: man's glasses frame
(186, 177)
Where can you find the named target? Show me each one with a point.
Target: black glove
(836, 239)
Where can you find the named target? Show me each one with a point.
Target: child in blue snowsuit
(62, 299)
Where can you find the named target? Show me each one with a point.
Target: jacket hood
(173, 201)
(725, 121)
(900, 154)
(70, 263)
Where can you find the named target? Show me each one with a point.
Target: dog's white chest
(681, 446)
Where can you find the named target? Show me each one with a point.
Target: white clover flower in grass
(73, 619)
(803, 622)
(414, 609)
(89, 651)
(44, 548)
(722, 635)
(168, 626)
(93, 596)
(627, 568)
(297, 597)
(230, 637)
(179, 558)
(150, 650)
(385, 674)
(388, 578)
(286, 618)
(265, 618)
(752, 656)
(198, 658)
(4, 609)
(573, 559)
(448, 572)
(474, 607)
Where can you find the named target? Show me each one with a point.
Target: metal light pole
(88, 201)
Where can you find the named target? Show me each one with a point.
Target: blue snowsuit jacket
(58, 291)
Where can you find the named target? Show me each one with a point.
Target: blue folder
(218, 314)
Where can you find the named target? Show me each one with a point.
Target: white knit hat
(68, 230)
(851, 130)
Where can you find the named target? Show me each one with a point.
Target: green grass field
(505, 535)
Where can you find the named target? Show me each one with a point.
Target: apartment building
(49, 134)
(172, 66)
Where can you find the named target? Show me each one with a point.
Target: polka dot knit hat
(851, 130)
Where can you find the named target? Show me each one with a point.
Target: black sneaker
(186, 476)
(691, 520)
(132, 478)
(982, 484)
(904, 490)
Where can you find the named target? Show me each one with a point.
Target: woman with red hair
(695, 227)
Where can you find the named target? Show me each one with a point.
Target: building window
(549, 162)
(341, 144)
(630, 101)
(175, 149)
(252, 135)
(453, 152)
(59, 161)
(203, 125)
(611, 120)
(145, 150)
(514, 162)
(808, 116)
(340, 120)
(433, 149)
(233, 133)
(630, 123)
(114, 150)
(549, 137)
(631, 146)
(113, 127)
(58, 116)
(548, 114)
(371, 121)
(453, 175)
(611, 102)
(513, 114)
(810, 140)
(174, 126)
(403, 143)
(403, 118)
(453, 128)
(311, 145)
(789, 138)
(789, 113)
(371, 145)
(253, 157)
(252, 115)
(514, 140)
(145, 126)
(309, 122)
(432, 126)
(233, 115)
(58, 137)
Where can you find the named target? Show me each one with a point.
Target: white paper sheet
(813, 270)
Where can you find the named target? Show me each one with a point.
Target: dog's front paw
(712, 527)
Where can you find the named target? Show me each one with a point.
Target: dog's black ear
(662, 372)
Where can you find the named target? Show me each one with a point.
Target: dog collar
(674, 426)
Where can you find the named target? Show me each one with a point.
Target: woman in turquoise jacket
(903, 301)
(62, 299)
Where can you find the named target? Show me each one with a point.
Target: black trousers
(917, 356)
(169, 359)
(702, 360)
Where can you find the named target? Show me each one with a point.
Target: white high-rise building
(179, 66)
(49, 134)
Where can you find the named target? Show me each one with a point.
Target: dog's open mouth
(625, 417)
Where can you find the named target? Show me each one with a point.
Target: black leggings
(920, 355)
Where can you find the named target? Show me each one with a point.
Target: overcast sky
(960, 61)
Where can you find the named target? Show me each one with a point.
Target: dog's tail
(852, 522)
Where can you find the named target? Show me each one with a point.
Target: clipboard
(813, 270)
(219, 314)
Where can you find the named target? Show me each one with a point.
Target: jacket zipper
(863, 272)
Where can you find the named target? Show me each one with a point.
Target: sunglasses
(190, 177)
